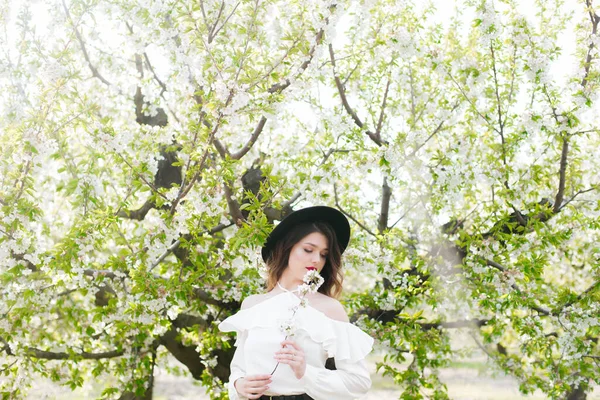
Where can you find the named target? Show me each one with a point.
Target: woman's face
(310, 251)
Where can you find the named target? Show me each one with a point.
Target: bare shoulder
(255, 299)
(330, 307)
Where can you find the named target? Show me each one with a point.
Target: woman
(269, 365)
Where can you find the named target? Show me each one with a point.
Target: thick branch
(385, 207)
(221, 149)
(207, 298)
(478, 323)
(389, 316)
(234, 206)
(187, 355)
(562, 176)
(49, 355)
(104, 273)
(138, 214)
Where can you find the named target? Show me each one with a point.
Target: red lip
(311, 268)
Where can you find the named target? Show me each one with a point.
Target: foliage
(148, 147)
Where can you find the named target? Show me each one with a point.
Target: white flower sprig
(312, 281)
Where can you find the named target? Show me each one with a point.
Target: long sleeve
(350, 381)
(238, 367)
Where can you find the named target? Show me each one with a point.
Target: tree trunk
(577, 393)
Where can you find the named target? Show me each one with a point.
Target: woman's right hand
(252, 386)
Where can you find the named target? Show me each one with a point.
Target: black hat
(338, 221)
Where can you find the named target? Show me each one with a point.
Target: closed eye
(310, 251)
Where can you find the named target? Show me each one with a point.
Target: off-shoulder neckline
(297, 298)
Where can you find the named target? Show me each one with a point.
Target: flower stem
(285, 338)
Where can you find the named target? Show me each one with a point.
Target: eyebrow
(314, 245)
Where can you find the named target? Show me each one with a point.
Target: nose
(316, 257)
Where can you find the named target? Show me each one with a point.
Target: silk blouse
(259, 337)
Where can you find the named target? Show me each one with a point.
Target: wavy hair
(332, 270)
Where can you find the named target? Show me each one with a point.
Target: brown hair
(332, 270)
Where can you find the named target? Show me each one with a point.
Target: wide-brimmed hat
(338, 222)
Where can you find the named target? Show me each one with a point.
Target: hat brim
(338, 222)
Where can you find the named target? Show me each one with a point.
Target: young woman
(311, 238)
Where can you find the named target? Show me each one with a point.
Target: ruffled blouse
(259, 337)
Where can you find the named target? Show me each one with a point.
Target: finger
(258, 377)
(287, 351)
(286, 356)
(258, 384)
(256, 392)
(291, 343)
(258, 389)
(290, 350)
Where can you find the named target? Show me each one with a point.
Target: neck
(289, 283)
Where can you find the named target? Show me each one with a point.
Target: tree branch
(382, 113)
(569, 303)
(577, 194)
(257, 131)
(342, 92)
(94, 70)
(177, 243)
(200, 166)
(280, 87)
(216, 31)
(588, 60)
(471, 102)
(385, 207)
(562, 176)
(49, 355)
(514, 286)
(435, 132)
(138, 214)
(469, 323)
(234, 206)
(337, 203)
(207, 298)
(500, 122)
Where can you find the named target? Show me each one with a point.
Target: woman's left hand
(292, 355)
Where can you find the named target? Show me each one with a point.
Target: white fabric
(259, 338)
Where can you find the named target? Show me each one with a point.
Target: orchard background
(147, 147)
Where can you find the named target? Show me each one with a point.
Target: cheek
(298, 255)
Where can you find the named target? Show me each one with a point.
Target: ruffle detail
(341, 340)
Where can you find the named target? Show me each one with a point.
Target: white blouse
(259, 337)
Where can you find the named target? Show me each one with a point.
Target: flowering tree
(148, 146)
